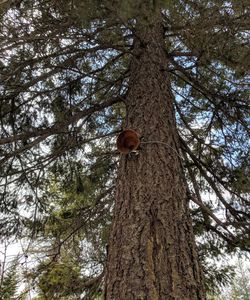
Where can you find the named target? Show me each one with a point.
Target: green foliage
(59, 280)
(9, 282)
(64, 75)
(238, 287)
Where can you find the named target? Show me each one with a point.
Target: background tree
(238, 285)
(240, 288)
(9, 275)
(66, 75)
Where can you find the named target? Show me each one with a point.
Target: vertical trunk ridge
(152, 253)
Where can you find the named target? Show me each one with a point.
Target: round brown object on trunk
(127, 141)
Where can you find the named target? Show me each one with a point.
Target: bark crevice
(152, 252)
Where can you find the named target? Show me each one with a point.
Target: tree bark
(152, 253)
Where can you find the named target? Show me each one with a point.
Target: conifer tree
(9, 281)
(74, 74)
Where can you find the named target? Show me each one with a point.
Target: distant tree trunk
(152, 253)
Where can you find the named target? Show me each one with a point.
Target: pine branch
(199, 164)
(62, 126)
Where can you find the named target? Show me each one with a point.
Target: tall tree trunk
(152, 253)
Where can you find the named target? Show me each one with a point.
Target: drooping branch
(215, 98)
(198, 200)
(61, 126)
(200, 165)
(57, 153)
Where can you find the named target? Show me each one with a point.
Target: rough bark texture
(152, 253)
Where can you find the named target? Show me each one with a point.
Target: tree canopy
(65, 70)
